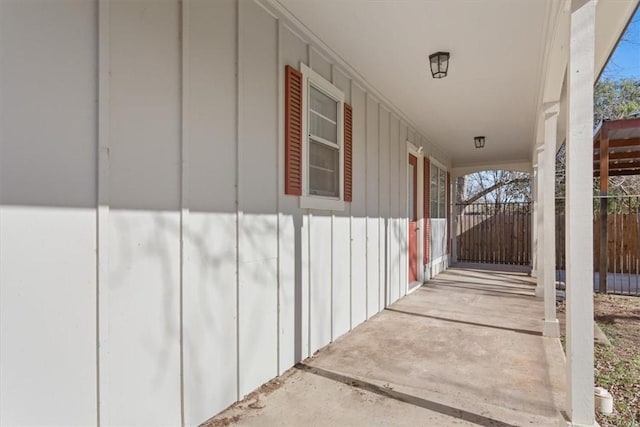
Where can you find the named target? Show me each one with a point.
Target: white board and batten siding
(48, 149)
(197, 279)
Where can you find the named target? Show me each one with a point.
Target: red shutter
(427, 210)
(293, 132)
(348, 153)
(448, 208)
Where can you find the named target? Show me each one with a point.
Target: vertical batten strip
(366, 222)
(351, 217)
(279, 189)
(102, 213)
(184, 167)
(391, 220)
(309, 299)
(331, 272)
(333, 219)
(400, 210)
(378, 191)
(309, 244)
(237, 176)
(387, 222)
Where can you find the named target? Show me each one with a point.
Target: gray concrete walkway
(464, 349)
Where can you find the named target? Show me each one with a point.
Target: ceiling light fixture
(478, 141)
(439, 63)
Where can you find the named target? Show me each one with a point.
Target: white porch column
(540, 223)
(551, 327)
(534, 218)
(579, 215)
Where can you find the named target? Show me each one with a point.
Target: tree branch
(493, 187)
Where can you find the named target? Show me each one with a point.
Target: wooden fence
(623, 243)
(494, 233)
(501, 234)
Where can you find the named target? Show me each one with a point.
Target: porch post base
(564, 422)
(551, 329)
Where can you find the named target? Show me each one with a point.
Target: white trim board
(436, 163)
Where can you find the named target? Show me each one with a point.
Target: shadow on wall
(228, 281)
(145, 300)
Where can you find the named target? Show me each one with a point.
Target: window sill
(320, 203)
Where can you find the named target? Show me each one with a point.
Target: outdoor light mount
(439, 64)
(478, 141)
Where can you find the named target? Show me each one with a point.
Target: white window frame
(441, 168)
(313, 201)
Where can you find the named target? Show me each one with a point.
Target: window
(438, 192)
(434, 191)
(323, 141)
(318, 160)
(324, 144)
(442, 188)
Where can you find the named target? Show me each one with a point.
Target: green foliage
(615, 99)
(612, 100)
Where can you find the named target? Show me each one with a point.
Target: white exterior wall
(383, 191)
(359, 210)
(403, 237)
(341, 245)
(200, 279)
(395, 210)
(372, 195)
(48, 148)
(209, 230)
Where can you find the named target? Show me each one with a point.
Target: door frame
(418, 153)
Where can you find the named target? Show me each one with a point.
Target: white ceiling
(494, 76)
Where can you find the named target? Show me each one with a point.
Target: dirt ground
(251, 401)
(617, 362)
(618, 366)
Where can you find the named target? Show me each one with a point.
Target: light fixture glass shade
(439, 63)
(478, 141)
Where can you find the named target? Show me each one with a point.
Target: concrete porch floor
(464, 349)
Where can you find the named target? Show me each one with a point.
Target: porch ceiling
(494, 74)
(506, 60)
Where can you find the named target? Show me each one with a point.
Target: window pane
(321, 103)
(434, 192)
(434, 209)
(319, 126)
(323, 115)
(323, 170)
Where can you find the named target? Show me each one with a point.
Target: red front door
(413, 218)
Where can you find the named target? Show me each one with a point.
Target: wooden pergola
(616, 152)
